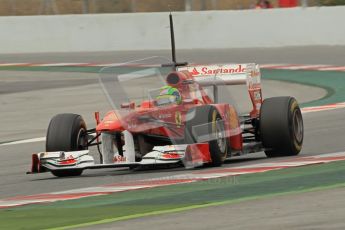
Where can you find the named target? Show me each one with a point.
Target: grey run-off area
(312, 210)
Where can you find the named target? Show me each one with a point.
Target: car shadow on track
(243, 160)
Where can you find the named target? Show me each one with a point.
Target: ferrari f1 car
(171, 115)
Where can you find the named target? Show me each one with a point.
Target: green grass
(119, 206)
(333, 82)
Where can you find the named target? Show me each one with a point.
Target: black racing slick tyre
(66, 132)
(281, 126)
(67, 172)
(210, 122)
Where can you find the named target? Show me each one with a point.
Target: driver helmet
(168, 95)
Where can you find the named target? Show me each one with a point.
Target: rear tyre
(203, 115)
(66, 132)
(281, 126)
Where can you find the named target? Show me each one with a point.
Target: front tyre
(208, 118)
(67, 172)
(66, 132)
(281, 126)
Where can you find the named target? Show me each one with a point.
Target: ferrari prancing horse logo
(178, 118)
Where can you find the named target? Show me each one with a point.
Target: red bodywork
(131, 120)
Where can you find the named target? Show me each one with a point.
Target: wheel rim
(220, 137)
(81, 140)
(297, 124)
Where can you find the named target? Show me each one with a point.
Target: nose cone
(111, 122)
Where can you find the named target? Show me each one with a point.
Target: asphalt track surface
(32, 98)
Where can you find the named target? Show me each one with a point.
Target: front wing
(191, 156)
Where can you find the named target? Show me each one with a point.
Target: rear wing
(225, 74)
(230, 74)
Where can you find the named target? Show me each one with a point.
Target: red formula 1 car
(173, 114)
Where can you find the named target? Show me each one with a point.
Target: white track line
(332, 68)
(32, 140)
(14, 64)
(59, 64)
